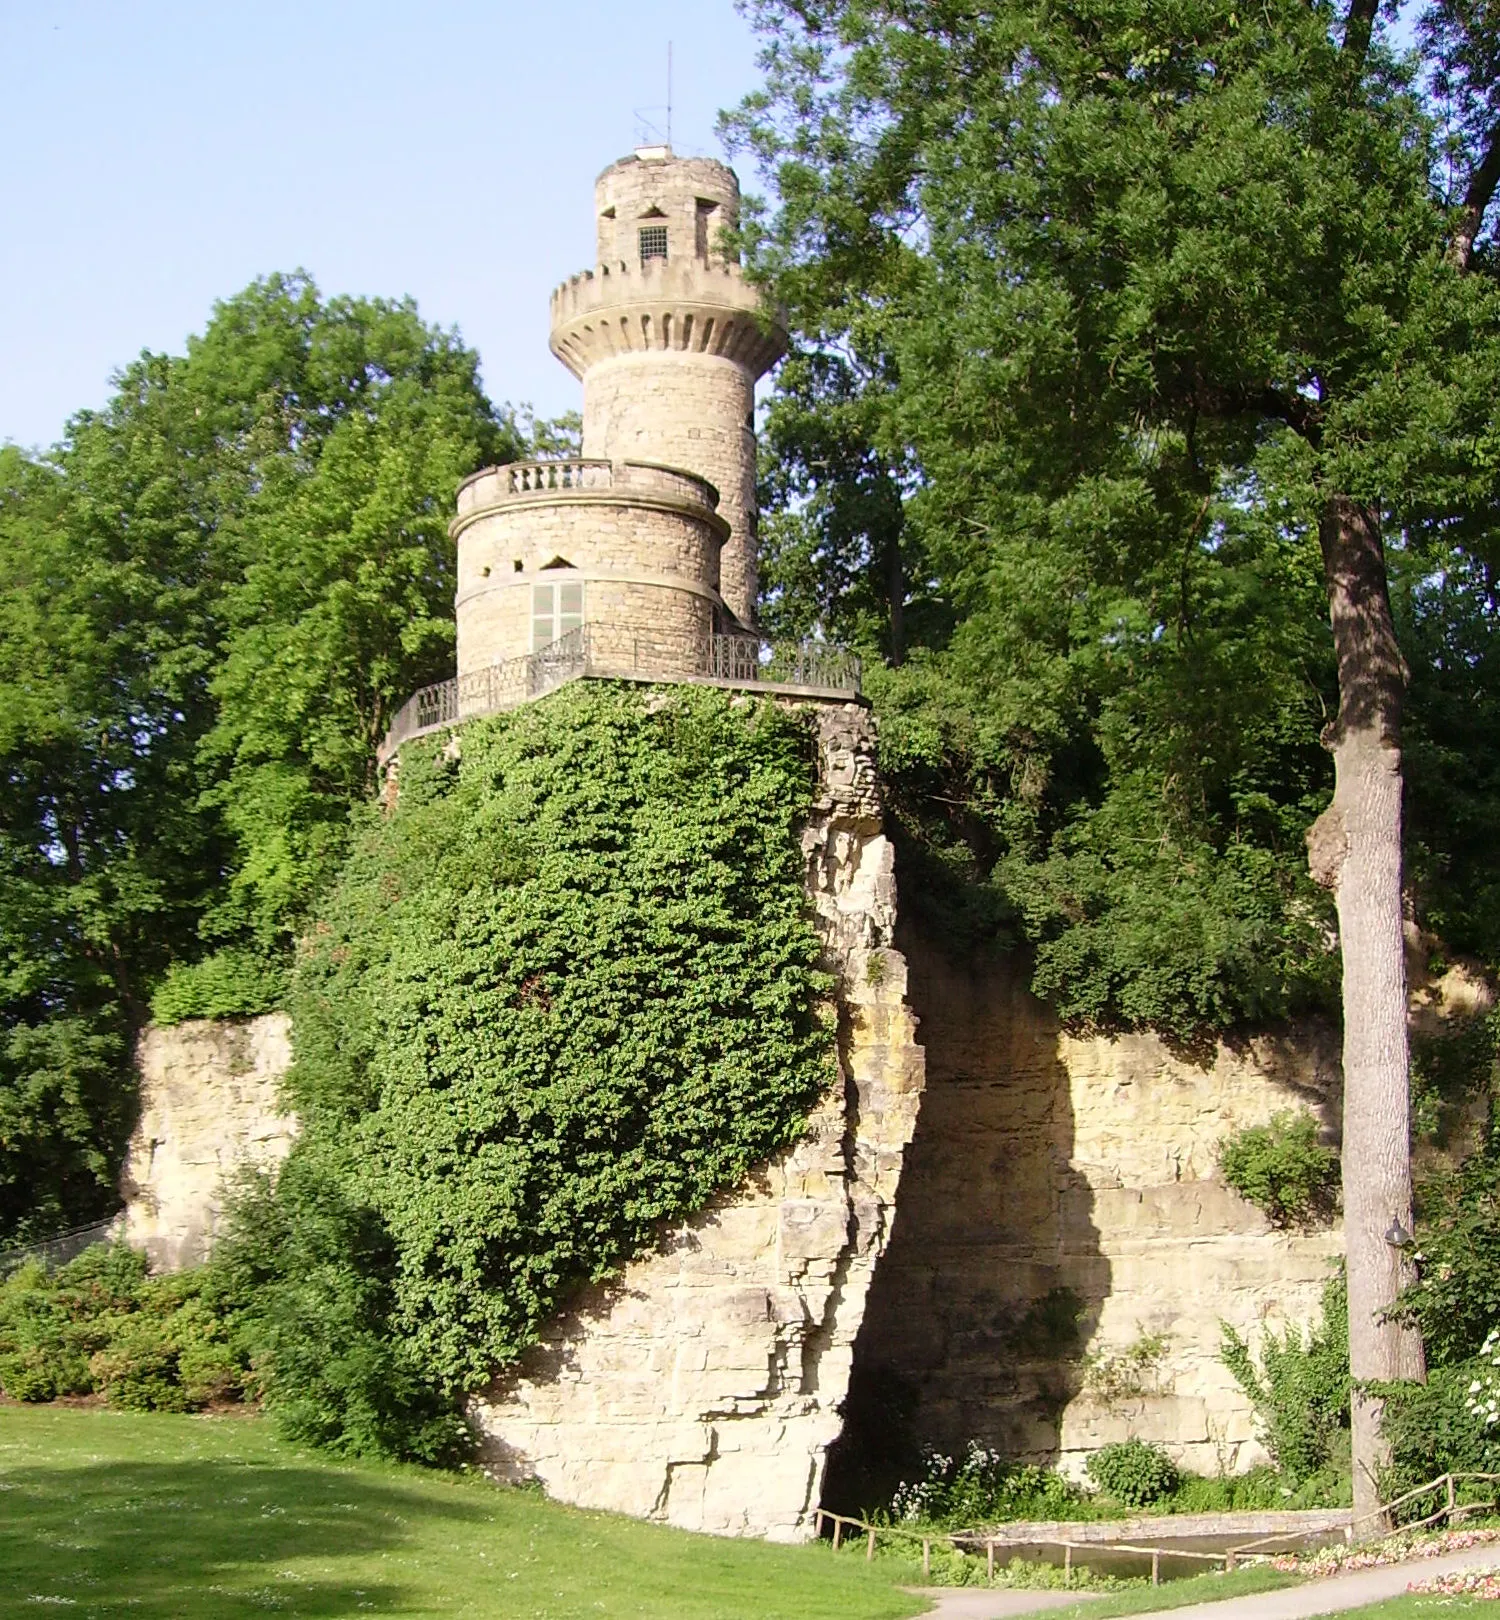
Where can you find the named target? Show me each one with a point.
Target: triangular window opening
(557, 562)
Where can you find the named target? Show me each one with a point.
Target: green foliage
(1433, 1430)
(1091, 314)
(1452, 1067)
(312, 1270)
(1127, 1374)
(1299, 1386)
(1283, 1169)
(101, 1324)
(1133, 1472)
(984, 1487)
(212, 593)
(233, 982)
(563, 993)
(1456, 1298)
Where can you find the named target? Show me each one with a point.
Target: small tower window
(556, 611)
(653, 242)
(707, 220)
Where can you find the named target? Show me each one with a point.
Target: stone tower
(636, 559)
(669, 338)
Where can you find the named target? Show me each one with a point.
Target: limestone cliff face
(1065, 1249)
(704, 1386)
(209, 1104)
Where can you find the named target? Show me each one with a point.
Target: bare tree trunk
(1354, 849)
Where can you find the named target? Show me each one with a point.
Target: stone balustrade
(581, 478)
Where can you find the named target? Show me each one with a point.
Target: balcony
(808, 669)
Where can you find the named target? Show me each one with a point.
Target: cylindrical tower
(669, 338)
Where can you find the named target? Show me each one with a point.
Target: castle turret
(669, 338)
(638, 558)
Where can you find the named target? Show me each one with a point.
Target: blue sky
(160, 156)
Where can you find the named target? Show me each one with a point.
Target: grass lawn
(158, 1518)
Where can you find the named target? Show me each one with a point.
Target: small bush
(1126, 1376)
(102, 1325)
(232, 983)
(1450, 1424)
(982, 1487)
(1300, 1390)
(137, 1370)
(1283, 1170)
(1133, 1472)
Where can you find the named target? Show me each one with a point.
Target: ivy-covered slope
(567, 989)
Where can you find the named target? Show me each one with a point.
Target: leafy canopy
(211, 595)
(1092, 308)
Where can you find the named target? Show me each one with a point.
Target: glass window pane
(571, 597)
(543, 620)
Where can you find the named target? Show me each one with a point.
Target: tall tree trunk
(1354, 849)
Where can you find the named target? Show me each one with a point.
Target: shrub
(312, 1274)
(102, 1325)
(1300, 1390)
(1438, 1427)
(232, 983)
(137, 1369)
(1456, 1298)
(1133, 1472)
(1127, 1375)
(982, 1487)
(1283, 1170)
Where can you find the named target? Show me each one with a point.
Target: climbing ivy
(564, 992)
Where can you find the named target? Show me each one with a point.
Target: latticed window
(653, 242)
(556, 611)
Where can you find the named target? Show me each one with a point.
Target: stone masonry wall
(209, 1104)
(692, 410)
(655, 572)
(704, 1386)
(1061, 1208)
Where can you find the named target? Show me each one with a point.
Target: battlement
(687, 306)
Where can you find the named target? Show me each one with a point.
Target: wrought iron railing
(814, 664)
(611, 651)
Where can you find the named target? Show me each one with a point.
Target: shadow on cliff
(994, 1277)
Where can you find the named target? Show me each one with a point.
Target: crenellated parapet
(659, 307)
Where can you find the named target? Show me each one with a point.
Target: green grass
(158, 1518)
(1178, 1594)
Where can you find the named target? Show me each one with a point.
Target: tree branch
(1477, 198)
(1358, 28)
(1304, 416)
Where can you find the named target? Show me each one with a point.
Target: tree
(1135, 269)
(211, 593)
